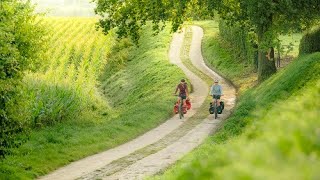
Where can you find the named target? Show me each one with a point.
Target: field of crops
(66, 83)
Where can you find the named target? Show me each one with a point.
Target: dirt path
(162, 146)
(196, 58)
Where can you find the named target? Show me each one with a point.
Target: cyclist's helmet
(182, 80)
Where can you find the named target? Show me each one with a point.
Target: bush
(310, 42)
(21, 45)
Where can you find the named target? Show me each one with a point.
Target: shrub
(21, 44)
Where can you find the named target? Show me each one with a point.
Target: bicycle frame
(181, 109)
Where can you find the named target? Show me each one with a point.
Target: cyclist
(216, 91)
(183, 92)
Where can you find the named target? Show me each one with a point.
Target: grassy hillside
(273, 132)
(92, 94)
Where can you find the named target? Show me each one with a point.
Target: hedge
(310, 42)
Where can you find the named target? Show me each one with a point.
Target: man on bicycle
(216, 91)
(183, 91)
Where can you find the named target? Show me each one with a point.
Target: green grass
(129, 101)
(273, 132)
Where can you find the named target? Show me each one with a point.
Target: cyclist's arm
(221, 93)
(211, 91)
(176, 90)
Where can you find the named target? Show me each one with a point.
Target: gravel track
(164, 145)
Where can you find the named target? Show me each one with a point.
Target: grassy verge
(273, 132)
(138, 93)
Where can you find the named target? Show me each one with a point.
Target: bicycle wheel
(215, 110)
(180, 111)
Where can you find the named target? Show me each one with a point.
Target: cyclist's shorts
(216, 96)
(183, 97)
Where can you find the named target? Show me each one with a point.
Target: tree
(21, 45)
(267, 18)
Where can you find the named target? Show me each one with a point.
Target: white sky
(65, 7)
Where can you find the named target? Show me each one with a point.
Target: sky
(83, 8)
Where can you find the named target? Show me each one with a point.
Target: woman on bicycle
(216, 91)
(183, 92)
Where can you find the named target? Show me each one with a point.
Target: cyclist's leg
(218, 100)
(214, 97)
(184, 98)
(179, 100)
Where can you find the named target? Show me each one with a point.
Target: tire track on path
(197, 98)
(160, 147)
(96, 162)
(160, 160)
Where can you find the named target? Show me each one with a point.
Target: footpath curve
(108, 165)
(229, 90)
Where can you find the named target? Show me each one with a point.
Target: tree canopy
(128, 16)
(271, 16)
(267, 18)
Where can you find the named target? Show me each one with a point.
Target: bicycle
(181, 115)
(215, 105)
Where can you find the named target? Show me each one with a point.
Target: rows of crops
(66, 82)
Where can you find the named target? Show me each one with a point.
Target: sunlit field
(66, 84)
